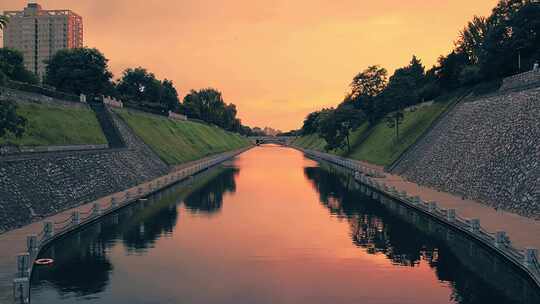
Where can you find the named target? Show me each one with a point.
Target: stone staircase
(110, 131)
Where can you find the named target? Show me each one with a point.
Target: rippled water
(272, 227)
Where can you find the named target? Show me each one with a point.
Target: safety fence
(54, 229)
(526, 259)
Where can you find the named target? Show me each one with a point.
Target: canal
(272, 226)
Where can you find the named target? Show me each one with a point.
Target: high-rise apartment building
(40, 33)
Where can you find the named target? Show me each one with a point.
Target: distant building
(40, 33)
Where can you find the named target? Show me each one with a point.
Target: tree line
(85, 71)
(487, 49)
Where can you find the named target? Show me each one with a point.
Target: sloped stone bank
(486, 150)
(35, 186)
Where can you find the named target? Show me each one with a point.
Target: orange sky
(276, 60)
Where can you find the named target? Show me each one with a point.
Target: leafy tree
(10, 121)
(138, 86)
(12, 65)
(404, 87)
(366, 87)
(472, 37)
(310, 123)
(370, 82)
(208, 105)
(169, 96)
(470, 75)
(450, 68)
(81, 70)
(335, 126)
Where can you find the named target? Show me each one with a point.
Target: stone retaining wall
(486, 150)
(521, 80)
(27, 97)
(32, 187)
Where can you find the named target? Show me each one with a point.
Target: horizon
(309, 50)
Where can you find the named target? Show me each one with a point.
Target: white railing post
(75, 218)
(32, 243)
(96, 209)
(500, 238)
(451, 215)
(21, 288)
(474, 225)
(23, 265)
(531, 257)
(114, 202)
(432, 207)
(48, 230)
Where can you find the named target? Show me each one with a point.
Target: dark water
(273, 227)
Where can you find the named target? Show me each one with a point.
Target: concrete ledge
(11, 150)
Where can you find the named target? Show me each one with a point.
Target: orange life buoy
(44, 261)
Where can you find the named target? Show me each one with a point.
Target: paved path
(523, 232)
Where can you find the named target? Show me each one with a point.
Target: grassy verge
(57, 125)
(177, 142)
(380, 146)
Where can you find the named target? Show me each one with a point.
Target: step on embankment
(107, 125)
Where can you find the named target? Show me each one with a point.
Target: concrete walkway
(13, 242)
(523, 232)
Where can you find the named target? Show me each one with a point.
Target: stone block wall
(521, 80)
(487, 150)
(34, 186)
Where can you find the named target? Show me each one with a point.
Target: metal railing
(52, 230)
(526, 259)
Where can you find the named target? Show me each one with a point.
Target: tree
(169, 96)
(12, 65)
(449, 70)
(471, 39)
(370, 82)
(310, 123)
(10, 121)
(366, 87)
(335, 126)
(208, 105)
(81, 70)
(138, 86)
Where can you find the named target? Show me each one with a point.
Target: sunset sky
(276, 60)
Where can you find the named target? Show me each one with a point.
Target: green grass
(57, 125)
(177, 142)
(380, 147)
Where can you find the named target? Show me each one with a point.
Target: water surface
(272, 227)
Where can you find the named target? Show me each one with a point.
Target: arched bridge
(279, 140)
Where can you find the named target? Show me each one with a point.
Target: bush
(470, 75)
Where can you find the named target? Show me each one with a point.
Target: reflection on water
(283, 230)
(475, 274)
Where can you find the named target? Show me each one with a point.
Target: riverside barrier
(54, 230)
(499, 241)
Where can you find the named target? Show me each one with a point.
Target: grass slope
(177, 142)
(380, 147)
(57, 125)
